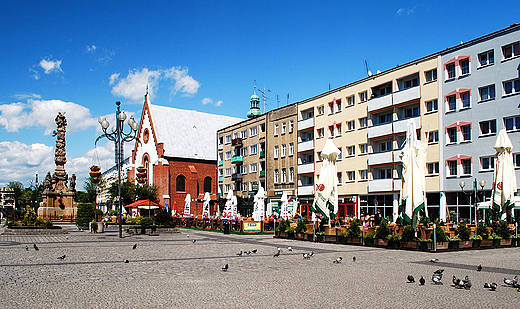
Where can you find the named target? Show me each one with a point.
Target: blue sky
(81, 57)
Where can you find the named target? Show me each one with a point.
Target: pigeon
(254, 251)
(467, 285)
(493, 286)
(135, 246)
(67, 237)
(225, 268)
(36, 247)
(277, 254)
(187, 235)
(434, 260)
(486, 286)
(422, 281)
(26, 248)
(511, 282)
(247, 252)
(311, 253)
(353, 259)
(240, 253)
(61, 257)
(437, 279)
(289, 248)
(411, 279)
(338, 260)
(459, 283)
(125, 261)
(306, 256)
(193, 241)
(438, 271)
(479, 268)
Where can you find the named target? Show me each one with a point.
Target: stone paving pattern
(170, 271)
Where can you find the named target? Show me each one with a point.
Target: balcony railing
(305, 190)
(236, 176)
(262, 173)
(384, 185)
(305, 146)
(380, 130)
(262, 154)
(305, 168)
(220, 146)
(380, 158)
(400, 125)
(220, 162)
(236, 142)
(237, 159)
(379, 102)
(406, 95)
(305, 124)
(220, 178)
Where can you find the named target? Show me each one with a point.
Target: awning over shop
(144, 204)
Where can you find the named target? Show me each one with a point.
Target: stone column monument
(58, 197)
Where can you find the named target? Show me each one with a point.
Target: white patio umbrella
(227, 207)
(234, 204)
(205, 205)
(504, 186)
(413, 189)
(325, 196)
(284, 209)
(259, 206)
(187, 205)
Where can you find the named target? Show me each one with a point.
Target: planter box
(476, 243)
(496, 242)
(466, 244)
(309, 236)
(342, 239)
(409, 245)
(426, 245)
(381, 242)
(486, 243)
(355, 241)
(319, 237)
(369, 241)
(299, 236)
(444, 245)
(283, 234)
(505, 242)
(453, 244)
(330, 238)
(514, 242)
(290, 235)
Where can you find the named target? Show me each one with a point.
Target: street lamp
(474, 193)
(34, 185)
(119, 137)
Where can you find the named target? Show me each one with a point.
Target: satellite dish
(369, 73)
(378, 72)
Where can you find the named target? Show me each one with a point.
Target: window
(243, 134)
(331, 108)
(320, 110)
(228, 155)
(253, 168)
(340, 154)
(464, 66)
(363, 122)
(291, 126)
(207, 184)
(291, 175)
(414, 82)
(291, 149)
(235, 135)
(284, 148)
(284, 175)
(318, 154)
(431, 75)
(228, 139)
(383, 173)
(351, 100)
(512, 86)
(363, 148)
(487, 93)
(276, 152)
(331, 132)
(253, 131)
(351, 150)
(466, 133)
(488, 127)
(244, 151)
(487, 163)
(276, 130)
(340, 178)
(244, 186)
(384, 118)
(466, 166)
(338, 129)
(243, 169)
(253, 149)
(486, 58)
(452, 103)
(452, 168)
(220, 172)
(465, 98)
(284, 127)
(262, 127)
(411, 112)
(432, 106)
(433, 168)
(220, 156)
(363, 174)
(227, 172)
(516, 160)
(320, 132)
(180, 185)
(351, 176)
(351, 125)
(512, 123)
(227, 187)
(450, 70)
(338, 106)
(385, 146)
(452, 135)
(433, 137)
(511, 50)
(276, 176)
(363, 96)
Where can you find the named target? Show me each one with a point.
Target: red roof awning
(142, 203)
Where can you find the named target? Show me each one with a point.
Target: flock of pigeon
(464, 283)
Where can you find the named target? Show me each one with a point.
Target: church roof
(188, 133)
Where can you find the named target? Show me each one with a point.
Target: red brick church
(179, 149)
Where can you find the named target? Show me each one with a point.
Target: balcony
(305, 190)
(305, 124)
(380, 158)
(406, 95)
(384, 185)
(220, 146)
(306, 146)
(220, 178)
(262, 173)
(237, 159)
(236, 142)
(379, 102)
(236, 177)
(306, 168)
(220, 162)
(262, 154)
(262, 135)
(380, 130)
(400, 125)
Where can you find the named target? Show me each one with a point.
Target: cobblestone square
(172, 271)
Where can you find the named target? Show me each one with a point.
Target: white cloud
(21, 162)
(404, 11)
(91, 48)
(34, 73)
(50, 66)
(133, 86)
(26, 95)
(41, 113)
(210, 101)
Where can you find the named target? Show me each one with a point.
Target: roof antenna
(264, 96)
(369, 73)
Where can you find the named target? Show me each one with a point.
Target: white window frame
(363, 175)
(490, 163)
(291, 126)
(492, 129)
(227, 172)
(432, 106)
(275, 154)
(363, 122)
(253, 168)
(284, 127)
(276, 176)
(434, 168)
(433, 137)
(515, 51)
(291, 149)
(284, 150)
(228, 138)
(515, 87)
(351, 151)
(488, 62)
(291, 175)
(363, 96)
(485, 92)
(430, 75)
(253, 149)
(253, 131)
(363, 147)
(228, 155)
(284, 175)
(351, 176)
(275, 130)
(351, 100)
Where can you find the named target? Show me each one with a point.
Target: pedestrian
(378, 217)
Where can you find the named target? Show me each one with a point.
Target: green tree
(91, 190)
(127, 192)
(86, 213)
(30, 217)
(147, 192)
(17, 188)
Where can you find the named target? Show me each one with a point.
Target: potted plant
(342, 237)
(483, 232)
(369, 239)
(382, 233)
(320, 236)
(502, 230)
(290, 232)
(282, 227)
(408, 239)
(354, 232)
(441, 239)
(464, 233)
(394, 240)
(93, 226)
(477, 239)
(301, 229)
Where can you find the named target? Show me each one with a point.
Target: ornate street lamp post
(474, 194)
(119, 137)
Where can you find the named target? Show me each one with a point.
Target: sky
(81, 57)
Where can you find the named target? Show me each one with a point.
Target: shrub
(290, 230)
(301, 227)
(482, 230)
(340, 222)
(306, 220)
(146, 221)
(370, 235)
(463, 232)
(502, 230)
(112, 212)
(94, 225)
(353, 228)
(85, 214)
(440, 236)
(283, 225)
(408, 233)
(343, 234)
(29, 218)
(383, 230)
